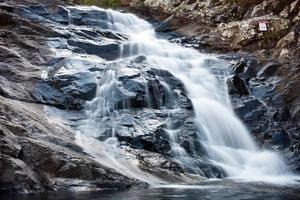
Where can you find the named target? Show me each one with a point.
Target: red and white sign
(262, 26)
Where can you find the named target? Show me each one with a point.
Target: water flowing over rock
(226, 26)
(95, 99)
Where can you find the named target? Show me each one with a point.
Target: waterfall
(227, 142)
(108, 153)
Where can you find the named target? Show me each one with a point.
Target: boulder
(243, 33)
(269, 69)
(248, 104)
(237, 85)
(16, 176)
(107, 51)
(93, 17)
(281, 137)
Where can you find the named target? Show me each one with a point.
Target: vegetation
(100, 3)
(244, 3)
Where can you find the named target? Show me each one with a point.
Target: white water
(108, 152)
(226, 140)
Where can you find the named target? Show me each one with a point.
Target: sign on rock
(262, 26)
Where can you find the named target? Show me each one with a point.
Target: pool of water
(212, 190)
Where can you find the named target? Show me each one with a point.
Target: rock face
(234, 23)
(37, 152)
(246, 32)
(264, 109)
(37, 155)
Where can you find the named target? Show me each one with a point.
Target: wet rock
(39, 9)
(293, 157)
(43, 156)
(160, 166)
(61, 15)
(95, 17)
(166, 26)
(6, 19)
(67, 91)
(147, 100)
(239, 67)
(171, 170)
(139, 91)
(48, 95)
(154, 142)
(8, 146)
(112, 35)
(237, 85)
(281, 137)
(16, 176)
(6, 7)
(155, 89)
(289, 90)
(106, 51)
(248, 104)
(269, 69)
(245, 68)
(81, 85)
(32, 13)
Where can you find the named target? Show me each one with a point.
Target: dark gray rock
(46, 94)
(7, 7)
(95, 17)
(265, 112)
(246, 68)
(16, 176)
(37, 155)
(39, 9)
(106, 51)
(237, 85)
(269, 69)
(81, 85)
(281, 137)
(33, 13)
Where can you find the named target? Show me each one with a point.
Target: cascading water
(227, 142)
(108, 153)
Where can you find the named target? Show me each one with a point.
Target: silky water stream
(226, 140)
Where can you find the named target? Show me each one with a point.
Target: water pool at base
(212, 190)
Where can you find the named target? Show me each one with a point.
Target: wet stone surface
(264, 110)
